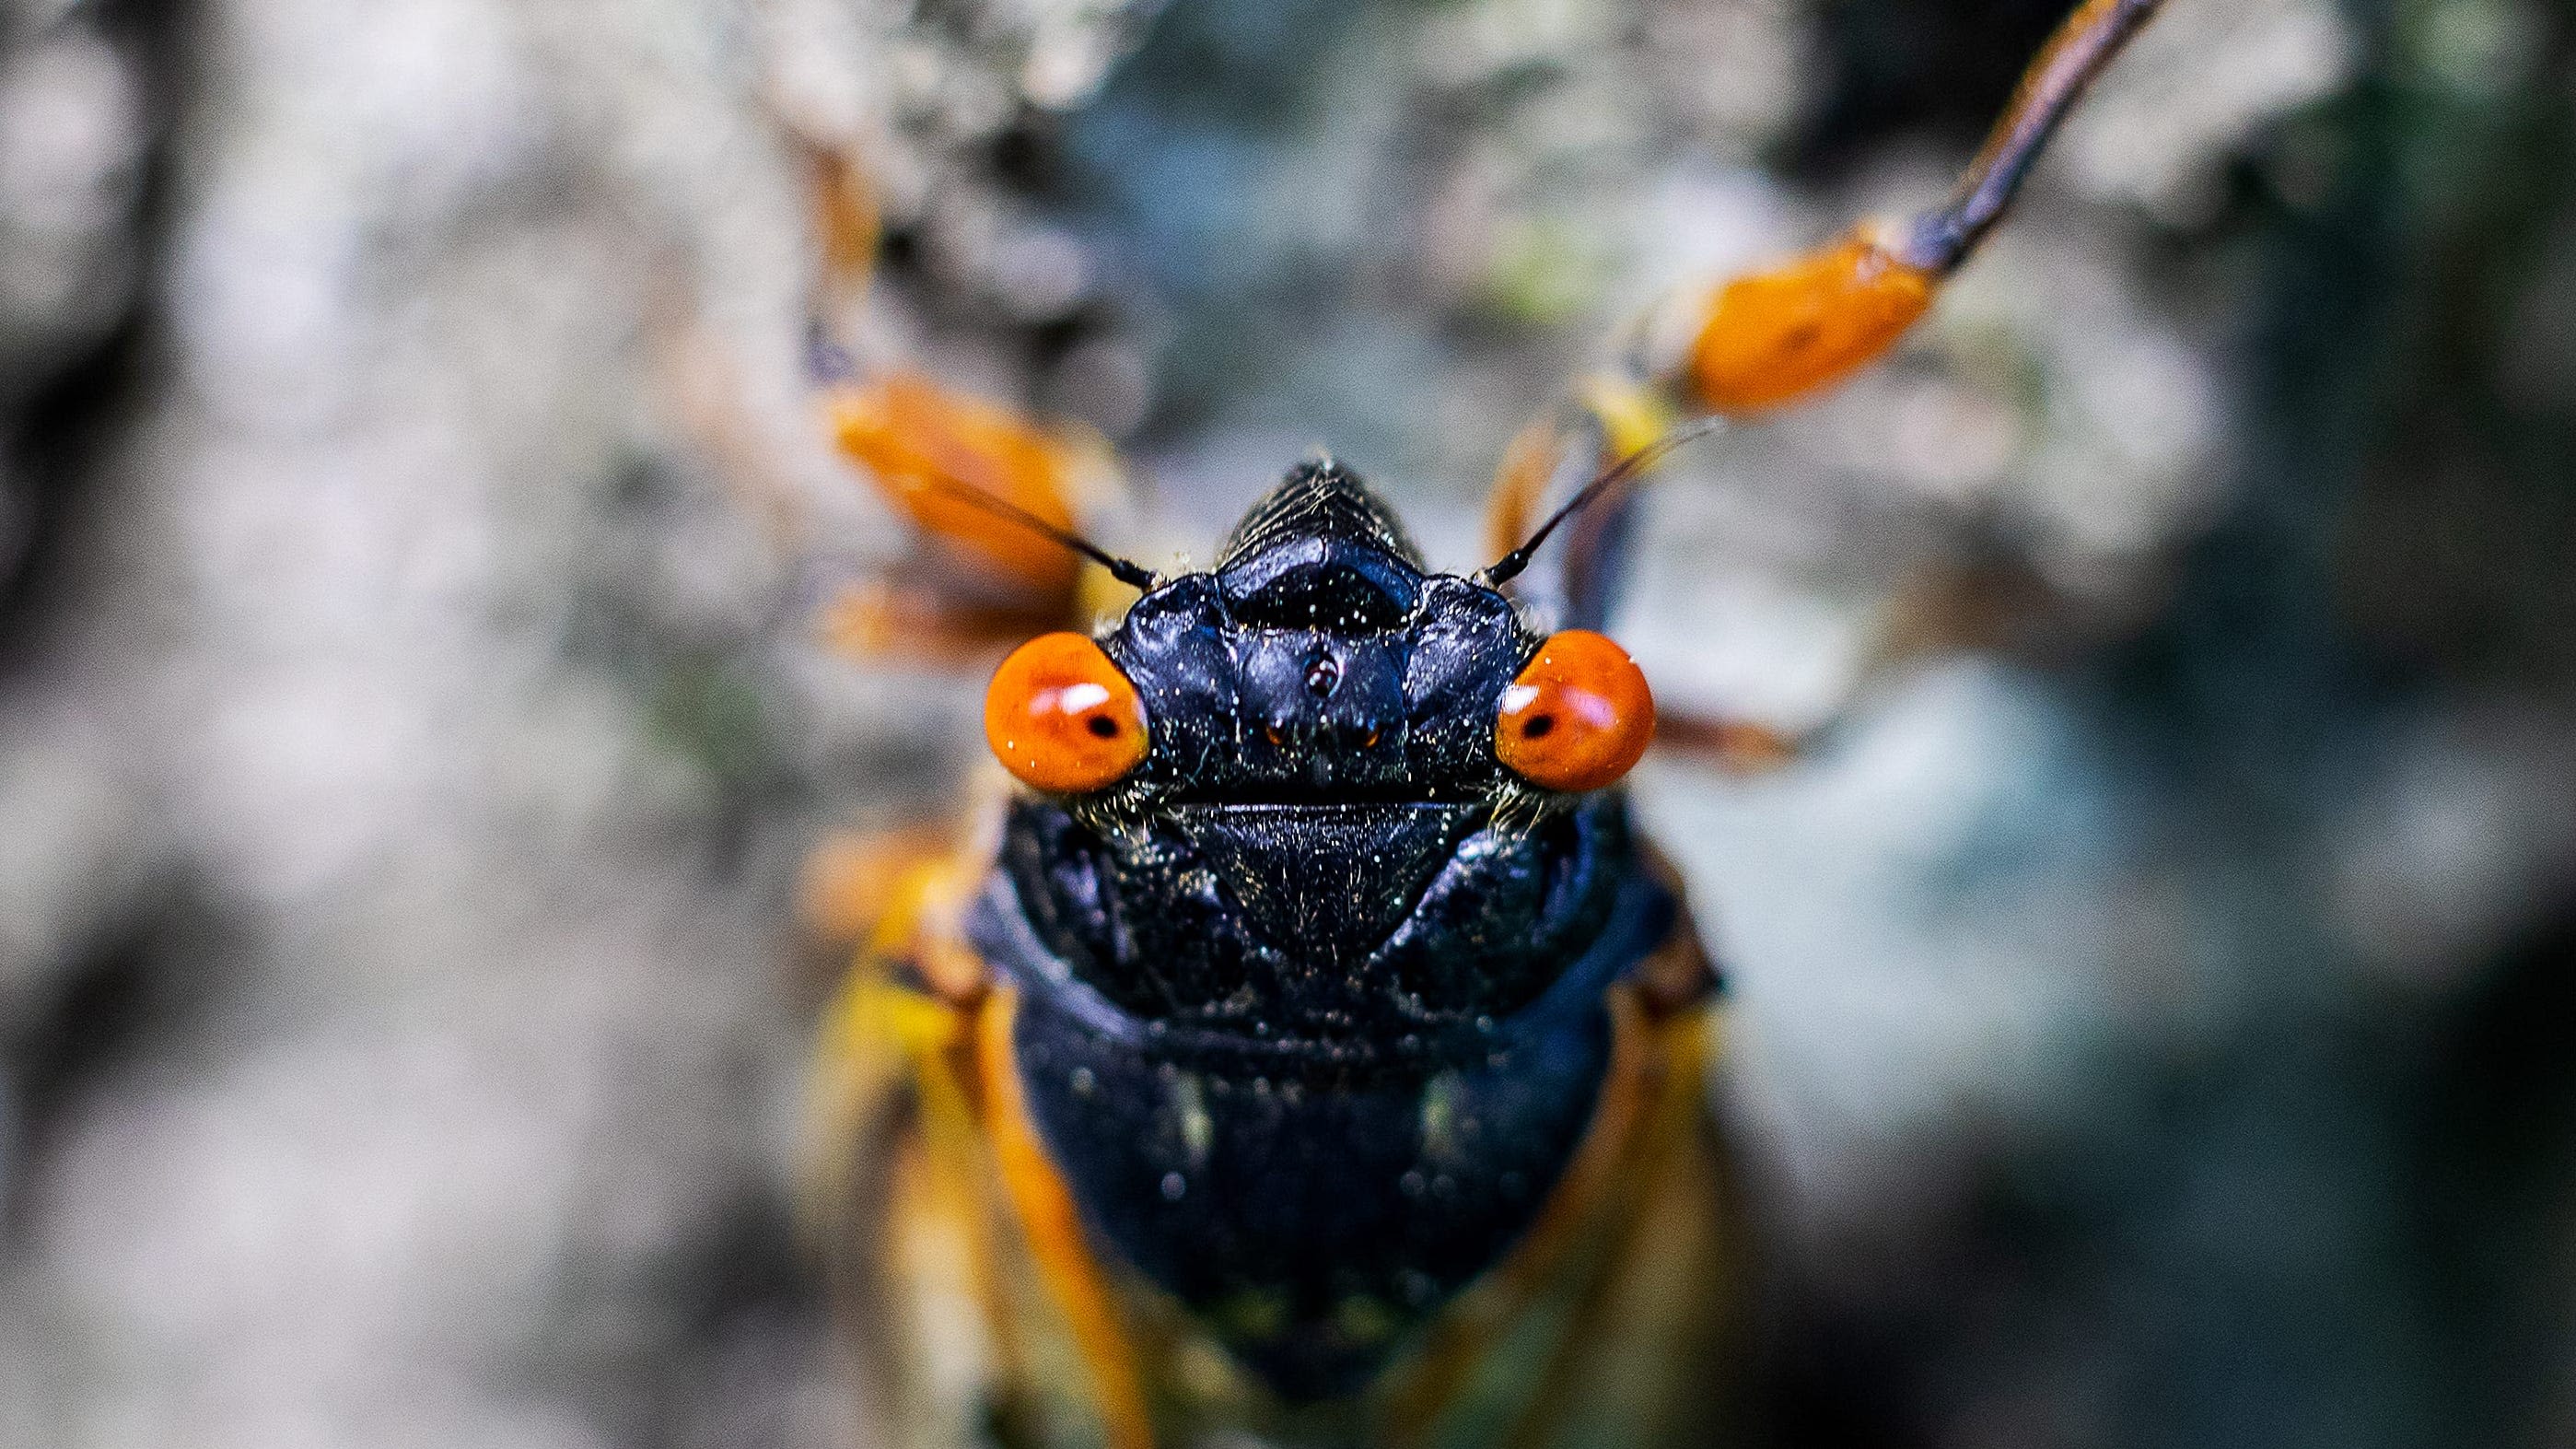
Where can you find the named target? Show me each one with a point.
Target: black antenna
(1509, 566)
(1133, 575)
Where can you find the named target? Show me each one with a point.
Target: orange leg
(1783, 334)
(993, 498)
(987, 573)
(1777, 336)
(1053, 1226)
(919, 442)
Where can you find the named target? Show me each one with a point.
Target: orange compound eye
(1061, 717)
(1578, 717)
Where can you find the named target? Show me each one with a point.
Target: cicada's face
(1332, 829)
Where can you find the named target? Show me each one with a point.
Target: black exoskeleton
(1312, 1005)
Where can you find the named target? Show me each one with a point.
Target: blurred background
(2155, 1015)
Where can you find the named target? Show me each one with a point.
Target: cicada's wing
(895, 1231)
(891, 1195)
(972, 1303)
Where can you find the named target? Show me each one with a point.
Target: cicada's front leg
(1779, 335)
(979, 578)
(1771, 338)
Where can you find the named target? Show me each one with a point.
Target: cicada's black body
(1313, 1008)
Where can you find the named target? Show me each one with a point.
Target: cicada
(1308, 1050)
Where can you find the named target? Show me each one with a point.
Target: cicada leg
(902, 1218)
(983, 574)
(980, 575)
(1052, 1228)
(945, 1221)
(1964, 606)
(1782, 334)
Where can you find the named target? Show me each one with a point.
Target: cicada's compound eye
(1578, 717)
(1061, 717)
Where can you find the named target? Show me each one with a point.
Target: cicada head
(1319, 798)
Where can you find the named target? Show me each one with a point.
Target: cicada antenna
(1126, 571)
(1510, 565)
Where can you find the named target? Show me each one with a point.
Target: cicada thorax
(1313, 1122)
(1326, 1071)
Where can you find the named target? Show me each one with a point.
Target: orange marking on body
(1053, 1227)
(1778, 335)
(914, 438)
